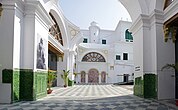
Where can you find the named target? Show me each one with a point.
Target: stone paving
(90, 97)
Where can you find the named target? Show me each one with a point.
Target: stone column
(151, 53)
(106, 77)
(99, 78)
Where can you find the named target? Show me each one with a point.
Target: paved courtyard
(91, 97)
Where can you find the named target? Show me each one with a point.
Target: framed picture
(41, 59)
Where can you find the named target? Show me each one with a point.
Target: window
(125, 56)
(85, 40)
(118, 57)
(54, 30)
(128, 36)
(93, 57)
(103, 41)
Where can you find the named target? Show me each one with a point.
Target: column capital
(144, 20)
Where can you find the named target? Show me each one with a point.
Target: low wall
(5, 94)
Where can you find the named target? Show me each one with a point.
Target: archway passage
(93, 76)
(103, 77)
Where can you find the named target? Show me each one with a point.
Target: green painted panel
(40, 84)
(147, 87)
(150, 82)
(16, 83)
(13, 77)
(138, 87)
(26, 85)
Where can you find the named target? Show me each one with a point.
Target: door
(93, 76)
(103, 77)
(126, 77)
(83, 77)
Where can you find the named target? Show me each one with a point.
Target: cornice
(156, 17)
(35, 8)
(171, 10)
(141, 21)
(13, 5)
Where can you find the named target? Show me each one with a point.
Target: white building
(29, 26)
(34, 37)
(105, 56)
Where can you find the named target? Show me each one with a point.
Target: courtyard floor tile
(91, 97)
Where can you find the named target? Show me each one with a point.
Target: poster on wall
(42, 49)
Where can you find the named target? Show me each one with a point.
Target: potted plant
(50, 78)
(75, 76)
(175, 67)
(64, 76)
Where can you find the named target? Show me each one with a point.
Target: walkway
(90, 97)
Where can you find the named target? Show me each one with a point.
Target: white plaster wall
(28, 41)
(121, 69)
(94, 32)
(7, 22)
(138, 52)
(165, 55)
(6, 42)
(85, 66)
(124, 47)
(121, 28)
(5, 95)
(41, 31)
(60, 68)
(114, 46)
(133, 8)
(18, 37)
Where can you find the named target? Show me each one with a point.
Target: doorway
(93, 76)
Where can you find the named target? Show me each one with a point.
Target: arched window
(128, 36)
(93, 57)
(55, 31)
(167, 3)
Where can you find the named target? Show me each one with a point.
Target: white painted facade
(22, 24)
(21, 21)
(150, 51)
(115, 45)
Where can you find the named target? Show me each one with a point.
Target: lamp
(1, 9)
(170, 33)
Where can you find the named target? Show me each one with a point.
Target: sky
(106, 13)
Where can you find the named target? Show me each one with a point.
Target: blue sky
(106, 13)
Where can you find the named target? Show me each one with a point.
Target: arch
(55, 30)
(159, 4)
(83, 74)
(62, 27)
(93, 76)
(133, 8)
(93, 57)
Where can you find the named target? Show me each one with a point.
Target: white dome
(94, 23)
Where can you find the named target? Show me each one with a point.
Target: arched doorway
(93, 76)
(83, 74)
(103, 77)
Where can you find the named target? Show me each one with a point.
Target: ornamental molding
(146, 21)
(171, 10)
